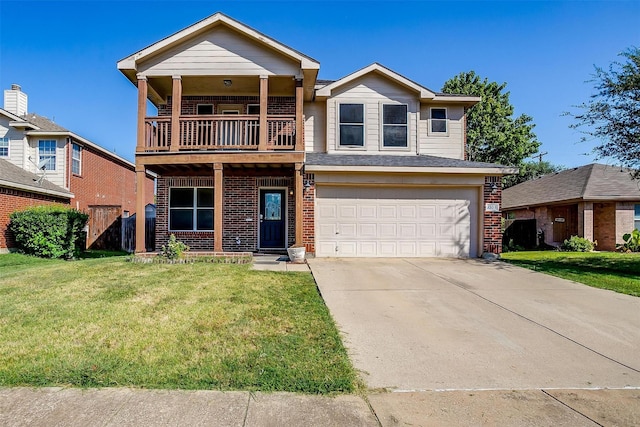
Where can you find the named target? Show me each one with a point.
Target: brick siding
(240, 211)
(275, 104)
(308, 213)
(12, 200)
(492, 233)
(104, 181)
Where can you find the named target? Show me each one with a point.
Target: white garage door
(396, 222)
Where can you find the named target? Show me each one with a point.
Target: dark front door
(272, 219)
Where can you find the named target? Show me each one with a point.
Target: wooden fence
(129, 234)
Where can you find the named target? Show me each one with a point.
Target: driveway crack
(573, 409)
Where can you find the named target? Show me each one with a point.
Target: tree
(493, 135)
(531, 170)
(612, 115)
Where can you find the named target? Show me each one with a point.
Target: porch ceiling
(214, 86)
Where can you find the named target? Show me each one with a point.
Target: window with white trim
(4, 147)
(76, 159)
(191, 209)
(47, 152)
(351, 119)
(438, 121)
(394, 125)
(636, 217)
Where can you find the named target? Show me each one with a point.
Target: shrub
(49, 231)
(577, 244)
(174, 248)
(631, 242)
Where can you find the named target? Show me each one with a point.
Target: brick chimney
(15, 100)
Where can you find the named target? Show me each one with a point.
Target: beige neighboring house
(596, 201)
(254, 153)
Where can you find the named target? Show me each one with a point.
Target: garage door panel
(389, 221)
(368, 230)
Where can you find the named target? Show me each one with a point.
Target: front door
(272, 219)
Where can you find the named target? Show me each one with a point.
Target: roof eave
(411, 169)
(35, 189)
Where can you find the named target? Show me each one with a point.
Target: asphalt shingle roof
(324, 159)
(43, 123)
(590, 182)
(16, 175)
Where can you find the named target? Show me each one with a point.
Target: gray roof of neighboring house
(324, 159)
(590, 182)
(16, 177)
(43, 123)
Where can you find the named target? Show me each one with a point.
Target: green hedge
(49, 231)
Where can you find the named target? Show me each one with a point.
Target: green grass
(108, 322)
(607, 270)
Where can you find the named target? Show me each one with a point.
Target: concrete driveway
(442, 324)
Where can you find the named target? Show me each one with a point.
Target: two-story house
(253, 152)
(42, 163)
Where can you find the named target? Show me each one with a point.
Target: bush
(49, 231)
(631, 242)
(174, 248)
(577, 244)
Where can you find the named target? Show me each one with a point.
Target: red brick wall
(13, 200)
(604, 226)
(492, 232)
(104, 181)
(240, 211)
(275, 104)
(308, 214)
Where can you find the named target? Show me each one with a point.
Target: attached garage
(416, 221)
(402, 206)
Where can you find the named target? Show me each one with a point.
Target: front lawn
(107, 322)
(607, 270)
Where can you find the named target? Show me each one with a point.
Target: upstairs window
(191, 209)
(76, 159)
(204, 109)
(4, 147)
(394, 125)
(351, 125)
(636, 217)
(439, 121)
(47, 153)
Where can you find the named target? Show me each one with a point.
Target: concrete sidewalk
(269, 262)
(134, 407)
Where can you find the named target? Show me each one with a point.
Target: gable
(219, 51)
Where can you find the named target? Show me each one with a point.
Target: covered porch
(225, 202)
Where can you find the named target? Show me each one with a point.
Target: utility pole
(539, 156)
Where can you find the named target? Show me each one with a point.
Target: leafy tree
(531, 170)
(493, 134)
(612, 115)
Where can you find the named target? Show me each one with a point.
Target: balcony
(220, 132)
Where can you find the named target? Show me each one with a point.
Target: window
(4, 147)
(47, 152)
(636, 217)
(351, 125)
(394, 125)
(253, 109)
(438, 120)
(204, 109)
(76, 157)
(190, 209)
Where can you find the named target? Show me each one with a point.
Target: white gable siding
(451, 145)
(373, 91)
(17, 143)
(220, 51)
(315, 127)
(57, 176)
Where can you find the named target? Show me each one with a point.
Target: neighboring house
(20, 189)
(598, 202)
(254, 153)
(92, 179)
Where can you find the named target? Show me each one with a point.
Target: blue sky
(64, 53)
